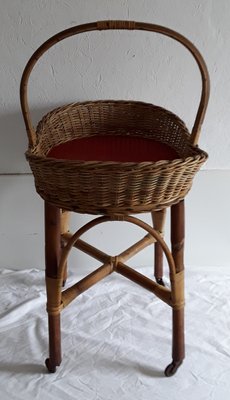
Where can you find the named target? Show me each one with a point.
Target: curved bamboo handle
(104, 25)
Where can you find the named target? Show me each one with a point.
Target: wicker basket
(97, 187)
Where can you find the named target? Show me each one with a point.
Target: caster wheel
(172, 368)
(160, 281)
(51, 368)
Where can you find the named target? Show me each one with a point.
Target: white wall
(122, 65)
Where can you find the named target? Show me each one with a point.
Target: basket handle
(104, 25)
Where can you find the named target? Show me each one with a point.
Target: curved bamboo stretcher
(59, 241)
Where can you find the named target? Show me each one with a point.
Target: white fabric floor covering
(118, 342)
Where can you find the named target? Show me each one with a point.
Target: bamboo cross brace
(103, 257)
(113, 264)
(160, 291)
(71, 293)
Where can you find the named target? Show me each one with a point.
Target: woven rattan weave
(111, 187)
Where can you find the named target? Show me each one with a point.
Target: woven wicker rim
(196, 152)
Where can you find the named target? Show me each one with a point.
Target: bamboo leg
(177, 240)
(158, 218)
(52, 255)
(65, 217)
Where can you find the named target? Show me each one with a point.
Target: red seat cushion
(113, 148)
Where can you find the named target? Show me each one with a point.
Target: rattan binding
(114, 188)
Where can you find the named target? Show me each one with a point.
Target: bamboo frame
(65, 219)
(52, 257)
(113, 264)
(158, 218)
(177, 241)
(58, 299)
(74, 238)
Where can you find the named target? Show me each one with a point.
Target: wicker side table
(112, 188)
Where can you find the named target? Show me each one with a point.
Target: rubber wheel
(172, 368)
(160, 281)
(51, 368)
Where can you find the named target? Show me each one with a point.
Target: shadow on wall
(13, 139)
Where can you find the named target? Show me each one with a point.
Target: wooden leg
(65, 216)
(158, 218)
(177, 240)
(52, 255)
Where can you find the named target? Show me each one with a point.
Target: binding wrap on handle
(127, 25)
